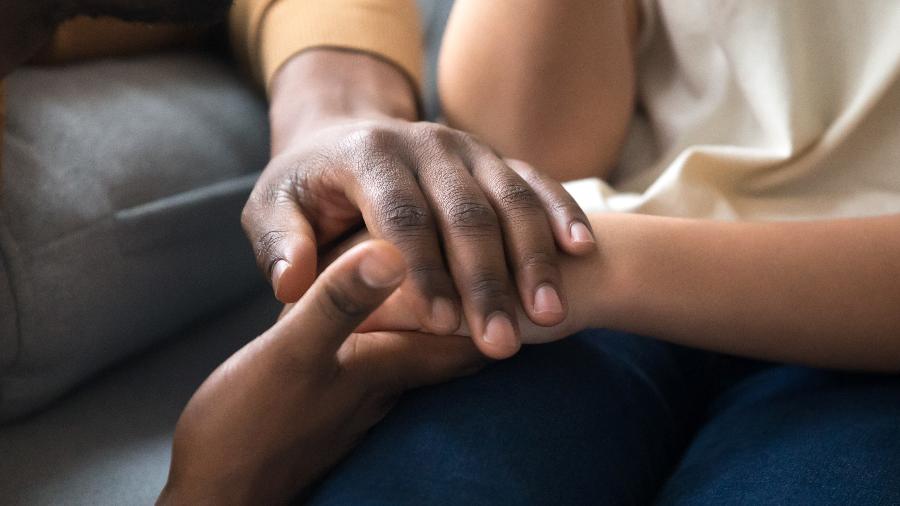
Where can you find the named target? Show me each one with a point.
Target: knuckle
(437, 134)
(289, 190)
(488, 287)
(374, 151)
(248, 216)
(337, 304)
(373, 138)
(268, 241)
(431, 276)
(266, 248)
(404, 215)
(425, 269)
(262, 198)
(564, 206)
(537, 260)
(471, 215)
(517, 196)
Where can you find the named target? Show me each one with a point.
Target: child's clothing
(763, 109)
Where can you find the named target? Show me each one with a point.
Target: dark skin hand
(480, 233)
(273, 418)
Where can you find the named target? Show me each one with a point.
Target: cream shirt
(762, 110)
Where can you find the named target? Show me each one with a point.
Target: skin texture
(581, 274)
(822, 293)
(481, 234)
(270, 420)
(550, 82)
(285, 408)
(829, 299)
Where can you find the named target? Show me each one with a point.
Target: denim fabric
(796, 436)
(610, 418)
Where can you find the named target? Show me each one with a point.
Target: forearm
(320, 85)
(823, 293)
(535, 78)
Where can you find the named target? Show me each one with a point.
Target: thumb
(284, 244)
(340, 299)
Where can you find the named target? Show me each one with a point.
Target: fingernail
(278, 272)
(499, 330)
(580, 233)
(443, 315)
(377, 273)
(546, 300)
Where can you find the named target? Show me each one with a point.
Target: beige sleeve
(267, 33)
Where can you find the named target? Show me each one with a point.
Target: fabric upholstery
(119, 224)
(109, 441)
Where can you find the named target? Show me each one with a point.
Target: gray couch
(123, 262)
(122, 187)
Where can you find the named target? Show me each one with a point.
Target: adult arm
(347, 151)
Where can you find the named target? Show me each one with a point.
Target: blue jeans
(610, 418)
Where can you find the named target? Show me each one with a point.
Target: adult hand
(463, 218)
(286, 407)
(581, 275)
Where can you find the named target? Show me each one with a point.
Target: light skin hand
(480, 234)
(583, 276)
(281, 411)
(820, 293)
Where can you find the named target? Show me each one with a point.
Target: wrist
(320, 87)
(613, 267)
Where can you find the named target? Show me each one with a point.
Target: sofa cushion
(122, 186)
(109, 441)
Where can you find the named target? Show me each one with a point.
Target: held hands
(282, 410)
(476, 234)
(581, 275)
(479, 233)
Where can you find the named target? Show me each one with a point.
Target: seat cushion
(122, 186)
(109, 441)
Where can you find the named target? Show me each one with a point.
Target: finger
(570, 226)
(475, 254)
(394, 315)
(530, 246)
(339, 300)
(284, 242)
(394, 209)
(398, 361)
